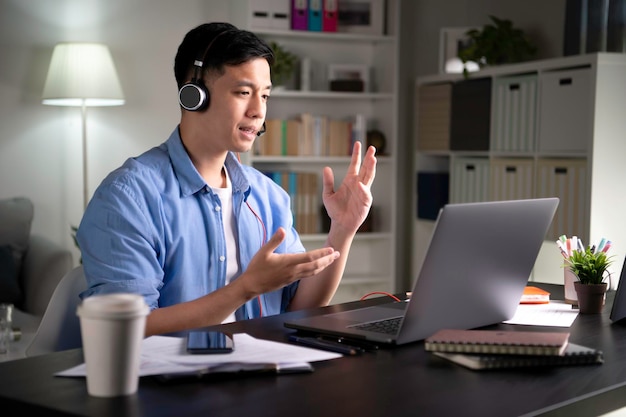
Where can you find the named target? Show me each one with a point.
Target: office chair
(60, 327)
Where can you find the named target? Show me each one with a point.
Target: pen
(568, 245)
(326, 345)
(581, 247)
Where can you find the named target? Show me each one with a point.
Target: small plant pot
(590, 297)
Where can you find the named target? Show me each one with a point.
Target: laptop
(477, 265)
(618, 310)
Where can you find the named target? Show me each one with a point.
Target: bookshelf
(542, 128)
(371, 265)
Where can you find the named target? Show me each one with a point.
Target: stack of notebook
(492, 349)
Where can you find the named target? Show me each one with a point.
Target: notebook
(574, 355)
(509, 342)
(474, 272)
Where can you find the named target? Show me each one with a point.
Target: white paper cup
(112, 327)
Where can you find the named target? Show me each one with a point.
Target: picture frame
(361, 16)
(341, 77)
(451, 41)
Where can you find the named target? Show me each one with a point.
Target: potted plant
(284, 64)
(497, 43)
(590, 268)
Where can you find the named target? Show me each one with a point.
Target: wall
(541, 20)
(40, 146)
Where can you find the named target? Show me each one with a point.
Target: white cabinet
(557, 128)
(370, 265)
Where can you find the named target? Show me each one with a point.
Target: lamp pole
(85, 168)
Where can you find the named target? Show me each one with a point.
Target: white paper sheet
(167, 355)
(555, 313)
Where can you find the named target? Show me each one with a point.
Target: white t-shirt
(232, 262)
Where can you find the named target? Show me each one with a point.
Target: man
(202, 237)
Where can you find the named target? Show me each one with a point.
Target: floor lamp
(82, 75)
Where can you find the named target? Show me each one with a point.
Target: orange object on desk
(535, 295)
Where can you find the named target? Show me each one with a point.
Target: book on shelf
(535, 295)
(303, 191)
(306, 135)
(280, 139)
(509, 342)
(573, 355)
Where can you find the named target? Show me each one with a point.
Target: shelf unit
(370, 265)
(554, 128)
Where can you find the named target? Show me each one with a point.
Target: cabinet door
(566, 111)
(433, 115)
(469, 180)
(433, 192)
(511, 178)
(470, 118)
(566, 179)
(513, 113)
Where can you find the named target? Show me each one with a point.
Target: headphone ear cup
(193, 97)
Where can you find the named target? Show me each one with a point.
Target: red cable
(380, 292)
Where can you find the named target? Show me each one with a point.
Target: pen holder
(570, 291)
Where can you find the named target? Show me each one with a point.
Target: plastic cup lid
(118, 305)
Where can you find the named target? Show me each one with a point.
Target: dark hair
(217, 45)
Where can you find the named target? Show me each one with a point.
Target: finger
(275, 241)
(371, 150)
(368, 169)
(319, 266)
(328, 181)
(315, 255)
(312, 262)
(355, 162)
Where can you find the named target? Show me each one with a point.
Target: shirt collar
(188, 176)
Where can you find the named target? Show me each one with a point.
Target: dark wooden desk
(399, 381)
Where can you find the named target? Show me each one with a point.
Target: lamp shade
(82, 74)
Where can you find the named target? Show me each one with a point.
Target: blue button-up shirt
(154, 227)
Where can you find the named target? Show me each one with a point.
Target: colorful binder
(329, 16)
(299, 15)
(315, 15)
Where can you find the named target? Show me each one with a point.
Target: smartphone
(205, 342)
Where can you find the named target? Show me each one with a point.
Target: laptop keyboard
(387, 326)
